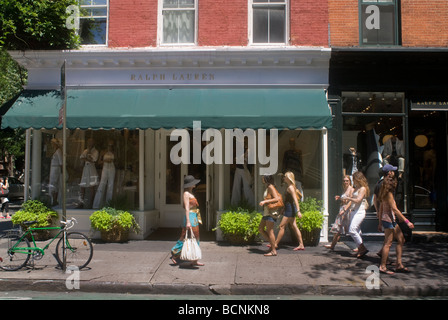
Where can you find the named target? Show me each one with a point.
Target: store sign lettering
(213, 151)
(430, 105)
(173, 77)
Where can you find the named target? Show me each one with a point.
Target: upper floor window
(93, 22)
(179, 21)
(269, 21)
(379, 21)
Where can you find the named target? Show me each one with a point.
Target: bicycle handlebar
(69, 223)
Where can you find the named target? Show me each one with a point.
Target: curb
(222, 290)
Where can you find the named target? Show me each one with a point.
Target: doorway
(427, 169)
(170, 186)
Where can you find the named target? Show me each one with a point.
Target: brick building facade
(245, 63)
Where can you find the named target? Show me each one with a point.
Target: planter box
(311, 238)
(116, 235)
(238, 239)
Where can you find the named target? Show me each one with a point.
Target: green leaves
(108, 219)
(240, 223)
(34, 25)
(34, 210)
(312, 217)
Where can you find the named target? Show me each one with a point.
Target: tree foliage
(36, 25)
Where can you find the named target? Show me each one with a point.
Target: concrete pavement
(145, 267)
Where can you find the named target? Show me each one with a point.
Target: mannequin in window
(89, 178)
(393, 153)
(106, 186)
(242, 178)
(292, 161)
(373, 152)
(55, 181)
(352, 162)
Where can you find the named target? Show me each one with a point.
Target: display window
(102, 169)
(298, 151)
(372, 136)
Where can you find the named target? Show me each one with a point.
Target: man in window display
(89, 178)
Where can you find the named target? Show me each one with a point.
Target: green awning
(172, 108)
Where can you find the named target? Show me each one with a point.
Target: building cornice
(176, 57)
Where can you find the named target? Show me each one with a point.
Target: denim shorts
(388, 225)
(269, 218)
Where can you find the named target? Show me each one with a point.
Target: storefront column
(36, 179)
(26, 194)
(141, 170)
(325, 181)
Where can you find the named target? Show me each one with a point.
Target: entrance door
(428, 171)
(170, 186)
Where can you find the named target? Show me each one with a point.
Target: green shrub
(240, 223)
(312, 216)
(34, 210)
(108, 219)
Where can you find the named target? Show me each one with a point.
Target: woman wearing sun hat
(191, 220)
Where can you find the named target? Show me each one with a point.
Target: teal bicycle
(15, 249)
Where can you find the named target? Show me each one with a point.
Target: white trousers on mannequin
(355, 225)
(106, 185)
(239, 179)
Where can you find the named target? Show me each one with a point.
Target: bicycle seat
(28, 223)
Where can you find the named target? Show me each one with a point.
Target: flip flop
(402, 270)
(387, 271)
(298, 249)
(270, 254)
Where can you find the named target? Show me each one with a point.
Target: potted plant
(114, 224)
(312, 220)
(239, 226)
(35, 210)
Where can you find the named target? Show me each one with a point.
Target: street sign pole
(63, 114)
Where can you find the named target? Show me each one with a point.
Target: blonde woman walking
(292, 210)
(342, 222)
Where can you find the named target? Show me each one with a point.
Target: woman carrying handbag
(272, 205)
(191, 220)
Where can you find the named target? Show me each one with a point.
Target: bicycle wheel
(79, 250)
(12, 257)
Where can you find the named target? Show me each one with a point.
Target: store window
(102, 168)
(179, 21)
(379, 21)
(269, 21)
(372, 136)
(299, 151)
(93, 22)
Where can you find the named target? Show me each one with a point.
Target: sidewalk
(145, 267)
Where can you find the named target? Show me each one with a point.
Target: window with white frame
(93, 22)
(269, 21)
(178, 21)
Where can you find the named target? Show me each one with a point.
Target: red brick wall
(344, 23)
(132, 23)
(309, 22)
(424, 23)
(223, 22)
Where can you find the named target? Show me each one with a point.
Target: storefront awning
(171, 108)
